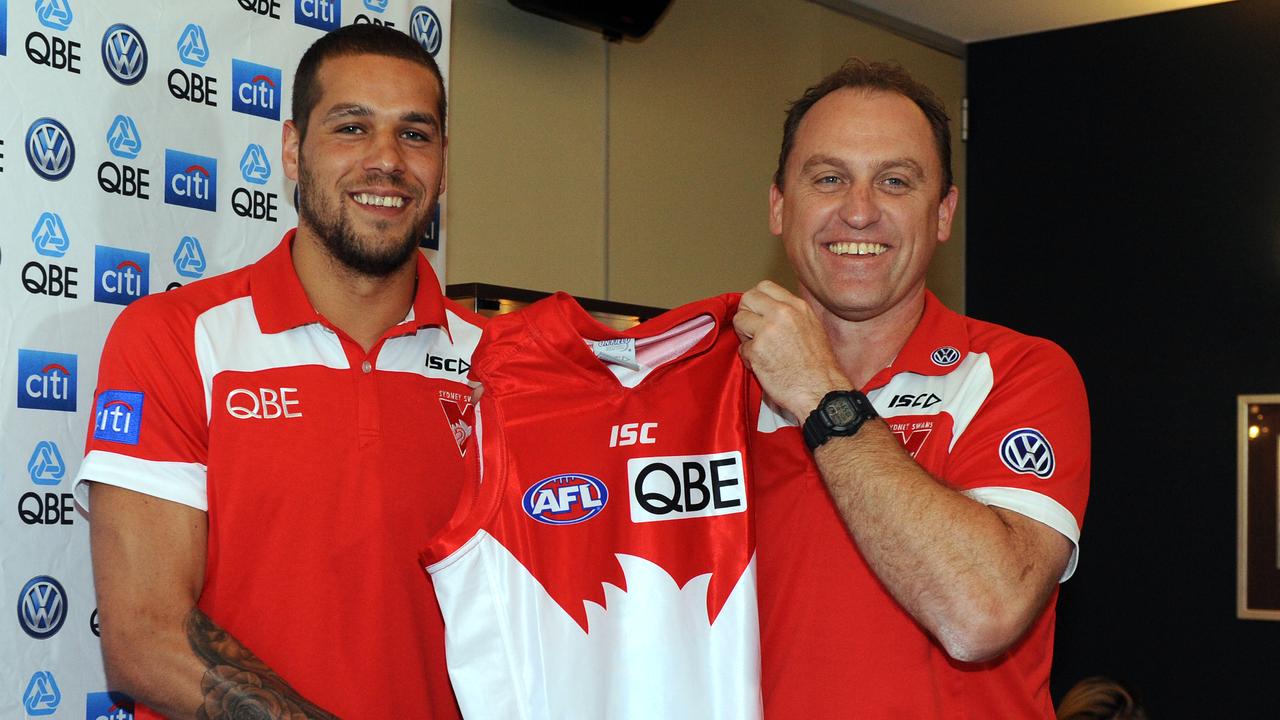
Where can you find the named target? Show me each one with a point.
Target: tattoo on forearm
(237, 684)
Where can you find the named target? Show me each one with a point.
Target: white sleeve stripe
(1036, 506)
(175, 481)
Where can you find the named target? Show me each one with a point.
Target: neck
(362, 306)
(865, 347)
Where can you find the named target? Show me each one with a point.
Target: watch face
(842, 412)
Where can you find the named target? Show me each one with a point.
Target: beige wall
(640, 171)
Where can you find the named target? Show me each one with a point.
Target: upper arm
(148, 568)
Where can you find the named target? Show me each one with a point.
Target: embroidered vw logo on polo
(1027, 452)
(945, 356)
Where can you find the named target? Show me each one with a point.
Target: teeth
(393, 201)
(856, 248)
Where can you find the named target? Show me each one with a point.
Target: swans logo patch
(461, 416)
(566, 499)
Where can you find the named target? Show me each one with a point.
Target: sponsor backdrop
(139, 150)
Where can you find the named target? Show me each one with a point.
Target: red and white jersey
(996, 415)
(603, 567)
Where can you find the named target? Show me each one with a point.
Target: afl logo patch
(1027, 452)
(565, 499)
(945, 356)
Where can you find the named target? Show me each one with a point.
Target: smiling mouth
(857, 248)
(387, 201)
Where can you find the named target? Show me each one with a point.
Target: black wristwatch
(840, 414)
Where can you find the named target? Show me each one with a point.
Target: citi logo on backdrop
(120, 276)
(46, 380)
(190, 180)
(124, 54)
(323, 15)
(257, 89)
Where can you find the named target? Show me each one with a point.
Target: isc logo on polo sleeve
(117, 416)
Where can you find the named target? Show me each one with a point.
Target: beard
(360, 253)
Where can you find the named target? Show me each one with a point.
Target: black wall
(1124, 200)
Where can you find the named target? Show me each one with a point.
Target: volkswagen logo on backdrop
(425, 27)
(1027, 452)
(50, 150)
(124, 55)
(42, 607)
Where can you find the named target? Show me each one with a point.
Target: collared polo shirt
(319, 465)
(999, 416)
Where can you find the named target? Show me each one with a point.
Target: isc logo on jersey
(190, 180)
(125, 142)
(566, 499)
(686, 486)
(257, 89)
(117, 416)
(121, 276)
(46, 380)
(323, 15)
(53, 51)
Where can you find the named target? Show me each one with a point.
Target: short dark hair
(360, 39)
(882, 76)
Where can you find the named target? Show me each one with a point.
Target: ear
(947, 213)
(775, 210)
(444, 166)
(290, 142)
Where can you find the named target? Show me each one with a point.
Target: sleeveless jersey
(603, 567)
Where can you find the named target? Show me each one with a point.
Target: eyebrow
(356, 110)
(906, 163)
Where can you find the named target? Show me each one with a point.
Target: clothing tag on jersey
(619, 352)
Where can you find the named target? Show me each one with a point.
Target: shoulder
(179, 309)
(1014, 352)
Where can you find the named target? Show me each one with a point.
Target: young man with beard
(908, 565)
(254, 524)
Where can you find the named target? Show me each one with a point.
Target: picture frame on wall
(1258, 518)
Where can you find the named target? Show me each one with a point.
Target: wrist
(840, 413)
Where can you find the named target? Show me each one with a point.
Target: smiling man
(921, 477)
(253, 523)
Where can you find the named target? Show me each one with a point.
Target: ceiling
(949, 25)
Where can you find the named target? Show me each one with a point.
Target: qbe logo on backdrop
(373, 6)
(193, 51)
(257, 89)
(120, 276)
(46, 467)
(42, 696)
(190, 180)
(125, 142)
(50, 150)
(52, 50)
(323, 15)
(108, 706)
(49, 278)
(46, 380)
(188, 260)
(253, 203)
(42, 607)
(426, 29)
(265, 8)
(124, 54)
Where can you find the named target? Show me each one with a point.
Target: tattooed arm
(148, 568)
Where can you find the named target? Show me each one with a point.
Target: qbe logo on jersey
(42, 607)
(566, 499)
(686, 486)
(257, 89)
(46, 380)
(124, 54)
(120, 276)
(108, 706)
(190, 180)
(323, 15)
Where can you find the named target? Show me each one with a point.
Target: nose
(859, 208)
(385, 154)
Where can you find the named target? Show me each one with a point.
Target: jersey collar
(280, 303)
(938, 343)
